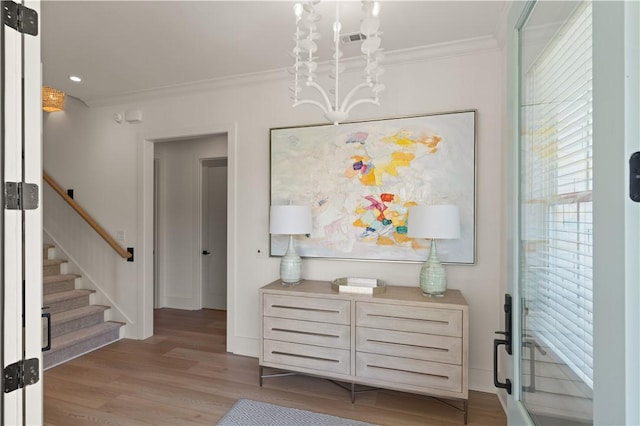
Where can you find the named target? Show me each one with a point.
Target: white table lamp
(290, 220)
(434, 222)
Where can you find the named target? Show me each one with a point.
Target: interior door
(573, 250)
(214, 230)
(20, 220)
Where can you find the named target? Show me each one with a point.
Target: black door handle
(497, 383)
(507, 342)
(206, 252)
(47, 315)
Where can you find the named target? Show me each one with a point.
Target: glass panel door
(555, 204)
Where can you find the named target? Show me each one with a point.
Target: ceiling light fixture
(305, 66)
(52, 99)
(75, 78)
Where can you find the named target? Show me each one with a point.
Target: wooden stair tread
(51, 262)
(65, 295)
(58, 278)
(72, 314)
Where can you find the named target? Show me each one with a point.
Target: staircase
(77, 327)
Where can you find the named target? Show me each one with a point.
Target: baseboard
(244, 346)
(502, 397)
(179, 303)
(481, 380)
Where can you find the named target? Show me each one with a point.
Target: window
(556, 207)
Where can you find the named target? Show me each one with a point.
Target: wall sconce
(52, 99)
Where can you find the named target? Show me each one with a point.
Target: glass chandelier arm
(374, 101)
(352, 92)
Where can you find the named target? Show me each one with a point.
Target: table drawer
(307, 308)
(306, 356)
(444, 322)
(307, 332)
(402, 344)
(409, 371)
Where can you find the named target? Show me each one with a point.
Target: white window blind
(556, 184)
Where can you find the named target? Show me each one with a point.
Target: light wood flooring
(183, 376)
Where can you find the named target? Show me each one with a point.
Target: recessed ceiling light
(75, 78)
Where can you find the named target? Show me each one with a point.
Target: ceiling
(123, 47)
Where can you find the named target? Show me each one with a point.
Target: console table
(398, 339)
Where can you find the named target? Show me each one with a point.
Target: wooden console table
(399, 339)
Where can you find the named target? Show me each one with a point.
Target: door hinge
(20, 196)
(21, 374)
(20, 17)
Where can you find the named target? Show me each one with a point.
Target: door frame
(616, 218)
(145, 220)
(516, 413)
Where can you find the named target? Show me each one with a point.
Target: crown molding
(392, 58)
(440, 51)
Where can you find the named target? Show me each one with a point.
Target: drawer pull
(407, 371)
(431, 348)
(395, 317)
(305, 333)
(296, 308)
(304, 356)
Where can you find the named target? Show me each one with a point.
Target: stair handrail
(86, 216)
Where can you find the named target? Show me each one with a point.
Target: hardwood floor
(183, 376)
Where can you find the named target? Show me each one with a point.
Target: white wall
(179, 239)
(87, 150)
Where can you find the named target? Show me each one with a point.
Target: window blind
(556, 184)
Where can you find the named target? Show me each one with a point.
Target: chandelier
(305, 65)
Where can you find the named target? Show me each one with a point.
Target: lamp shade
(437, 221)
(290, 220)
(52, 99)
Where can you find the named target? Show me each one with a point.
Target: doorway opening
(190, 222)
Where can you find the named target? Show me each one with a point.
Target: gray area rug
(246, 412)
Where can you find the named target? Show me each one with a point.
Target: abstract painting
(360, 178)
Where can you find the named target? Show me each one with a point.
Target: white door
(214, 233)
(20, 229)
(573, 273)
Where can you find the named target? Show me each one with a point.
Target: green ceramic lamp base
(433, 279)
